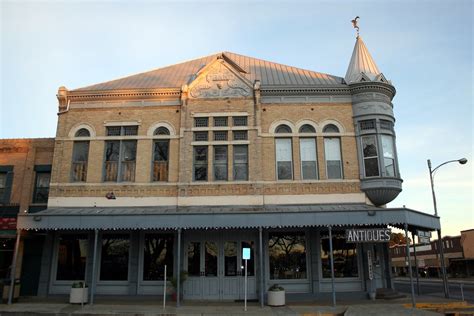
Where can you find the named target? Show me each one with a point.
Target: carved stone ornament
(219, 82)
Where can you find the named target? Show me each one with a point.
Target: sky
(424, 47)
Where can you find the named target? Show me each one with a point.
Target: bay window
(241, 162)
(369, 151)
(388, 155)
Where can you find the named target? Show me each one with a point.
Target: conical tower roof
(362, 66)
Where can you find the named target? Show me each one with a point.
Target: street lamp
(462, 161)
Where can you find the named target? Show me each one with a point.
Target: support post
(178, 273)
(13, 268)
(94, 265)
(164, 290)
(413, 302)
(416, 265)
(332, 268)
(262, 281)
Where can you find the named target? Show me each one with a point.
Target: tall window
(287, 251)
(284, 160)
(241, 162)
(220, 163)
(332, 153)
(200, 163)
(309, 164)
(114, 259)
(41, 190)
(72, 257)
(344, 254)
(6, 179)
(369, 150)
(3, 186)
(120, 159)
(160, 160)
(158, 252)
(388, 155)
(80, 155)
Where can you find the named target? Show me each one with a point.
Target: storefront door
(214, 265)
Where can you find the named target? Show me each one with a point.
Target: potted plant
(276, 295)
(174, 284)
(79, 293)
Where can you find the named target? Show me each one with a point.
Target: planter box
(276, 298)
(77, 295)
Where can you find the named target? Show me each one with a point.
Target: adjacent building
(186, 165)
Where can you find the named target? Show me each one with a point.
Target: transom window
(220, 135)
(330, 128)
(240, 121)
(220, 121)
(386, 125)
(201, 122)
(367, 125)
(283, 129)
(83, 133)
(240, 135)
(307, 129)
(122, 130)
(201, 136)
(161, 131)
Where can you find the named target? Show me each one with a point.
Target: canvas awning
(218, 217)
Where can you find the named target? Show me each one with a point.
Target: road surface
(435, 289)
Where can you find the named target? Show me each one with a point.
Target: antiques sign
(368, 235)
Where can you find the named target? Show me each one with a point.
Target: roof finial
(354, 24)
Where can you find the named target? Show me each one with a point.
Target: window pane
(72, 257)
(160, 160)
(161, 131)
(220, 121)
(210, 257)
(112, 152)
(307, 129)
(308, 158)
(230, 258)
(220, 162)
(284, 159)
(332, 153)
(42, 187)
(240, 135)
(130, 130)
(240, 120)
(251, 261)
(114, 259)
(113, 130)
(158, 252)
(287, 253)
(367, 125)
(344, 254)
(201, 122)
(200, 163)
(330, 128)
(83, 133)
(369, 151)
(389, 155)
(79, 161)
(194, 259)
(200, 136)
(129, 152)
(281, 129)
(220, 135)
(240, 162)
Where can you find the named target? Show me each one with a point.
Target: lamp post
(462, 161)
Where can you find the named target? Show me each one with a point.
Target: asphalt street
(435, 289)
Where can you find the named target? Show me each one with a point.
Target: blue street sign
(246, 253)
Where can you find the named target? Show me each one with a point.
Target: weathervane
(354, 24)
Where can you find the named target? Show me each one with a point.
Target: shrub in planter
(79, 293)
(174, 284)
(276, 295)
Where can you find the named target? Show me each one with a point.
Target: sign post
(164, 290)
(245, 256)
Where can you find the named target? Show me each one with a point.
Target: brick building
(25, 170)
(186, 165)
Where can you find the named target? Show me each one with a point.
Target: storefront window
(287, 255)
(72, 257)
(115, 252)
(194, 259)
(210, 256)
(230, 258)
(7, 246)
(158, 252)
(345, 257)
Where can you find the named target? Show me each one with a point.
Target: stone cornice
(381, 87)
(304, 90)
(85, 95)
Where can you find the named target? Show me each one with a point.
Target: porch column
(13, 267)
(409, 267)
(178, 272)
(94, 266)
(332, 268)
(416, 264)
(262, 281)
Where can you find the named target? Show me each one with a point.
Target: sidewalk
(108, 307)
(437, 280)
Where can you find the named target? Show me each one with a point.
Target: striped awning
(223, 217)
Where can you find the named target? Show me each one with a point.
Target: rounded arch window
(161, 131)
(307, 129)
(282, 129)
(83, 132)
(331, 128)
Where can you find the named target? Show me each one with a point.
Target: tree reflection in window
(158, 252)
(114, 261)
(345, 257)
(287, 255)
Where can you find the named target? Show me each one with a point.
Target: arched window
(307, 129)
(332, 153)
(161, 131)
(330, 128)
(83, 133)
(283, 129)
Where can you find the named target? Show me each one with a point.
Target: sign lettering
(368, 235)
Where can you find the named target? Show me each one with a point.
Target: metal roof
(175, 76)
(218, 217)
(361, 62)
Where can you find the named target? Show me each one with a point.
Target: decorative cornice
(124, 94)
(295, 90)
(381, 87)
